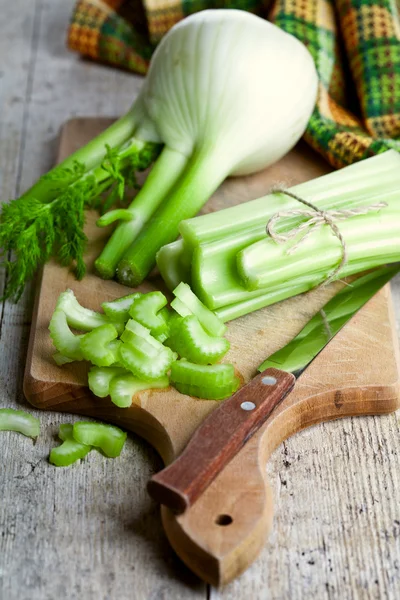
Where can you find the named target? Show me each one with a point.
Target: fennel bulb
(227, 93)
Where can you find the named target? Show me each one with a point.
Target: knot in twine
(316, 218)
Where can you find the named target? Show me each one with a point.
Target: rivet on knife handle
(218, 439)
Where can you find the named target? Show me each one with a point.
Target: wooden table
(91, 532)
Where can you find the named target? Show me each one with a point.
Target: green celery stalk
(375, 236)
(359, 184)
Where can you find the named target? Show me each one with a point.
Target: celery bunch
(234, 267)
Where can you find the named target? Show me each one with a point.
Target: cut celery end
(108, 438)
(19, 421)
(79, 317)
(192, 342)
(124, 387)
(146, 367)
(146, 310)
(119, 309)
(94, 345)
(207, 318)
(208, 393)
(62, 337)
(70, 451)
(137, 328)
(99, 379)
(170, 264)
(183, 371)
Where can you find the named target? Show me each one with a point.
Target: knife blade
(224, 432)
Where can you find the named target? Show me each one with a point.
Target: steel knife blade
(224, 432)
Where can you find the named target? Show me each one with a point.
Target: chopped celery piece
(180, 308)
(124, 387)
(94, 345)
(114, 347)
(183, 371)
(208, 393)
(108, 438)
(207, 318)
(146, 310)
(171, 266)
(79, 317)
(63, 339)
(70, 450)
(144, 364)
(19, 421)
(99, 379)
(191, 341)
(60, 359)
(119, 309)
(137, 328)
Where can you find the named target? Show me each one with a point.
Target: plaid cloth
(355, 45)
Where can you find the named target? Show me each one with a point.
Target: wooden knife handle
(218, 439)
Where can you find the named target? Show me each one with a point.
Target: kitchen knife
(224, 432)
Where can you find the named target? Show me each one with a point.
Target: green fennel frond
(31, 231)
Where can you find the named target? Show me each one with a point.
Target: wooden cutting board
(357, 374)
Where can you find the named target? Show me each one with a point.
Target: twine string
(315, 219)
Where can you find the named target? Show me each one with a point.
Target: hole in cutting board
(223, 520)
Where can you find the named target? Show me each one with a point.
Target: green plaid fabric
(355, 45)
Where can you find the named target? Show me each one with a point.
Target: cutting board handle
(218, 439)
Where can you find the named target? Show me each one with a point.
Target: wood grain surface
(91, 531)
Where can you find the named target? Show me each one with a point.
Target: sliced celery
(63, 339)
(124, 387)
(108, 438)
(144, 361)
(70, 450)
(192, 342)
(99, 379)
(208, 393)
(119, 309)
(94, 345)
(183, 371)
(20, 421)
(207, 318)
(146, 310)
(79, 317)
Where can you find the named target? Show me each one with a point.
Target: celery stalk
(267, 264)
(347, 188)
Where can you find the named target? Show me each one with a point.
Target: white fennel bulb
(232, 82)
(227, 93)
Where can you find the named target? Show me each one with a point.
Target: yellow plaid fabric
(355, 45)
